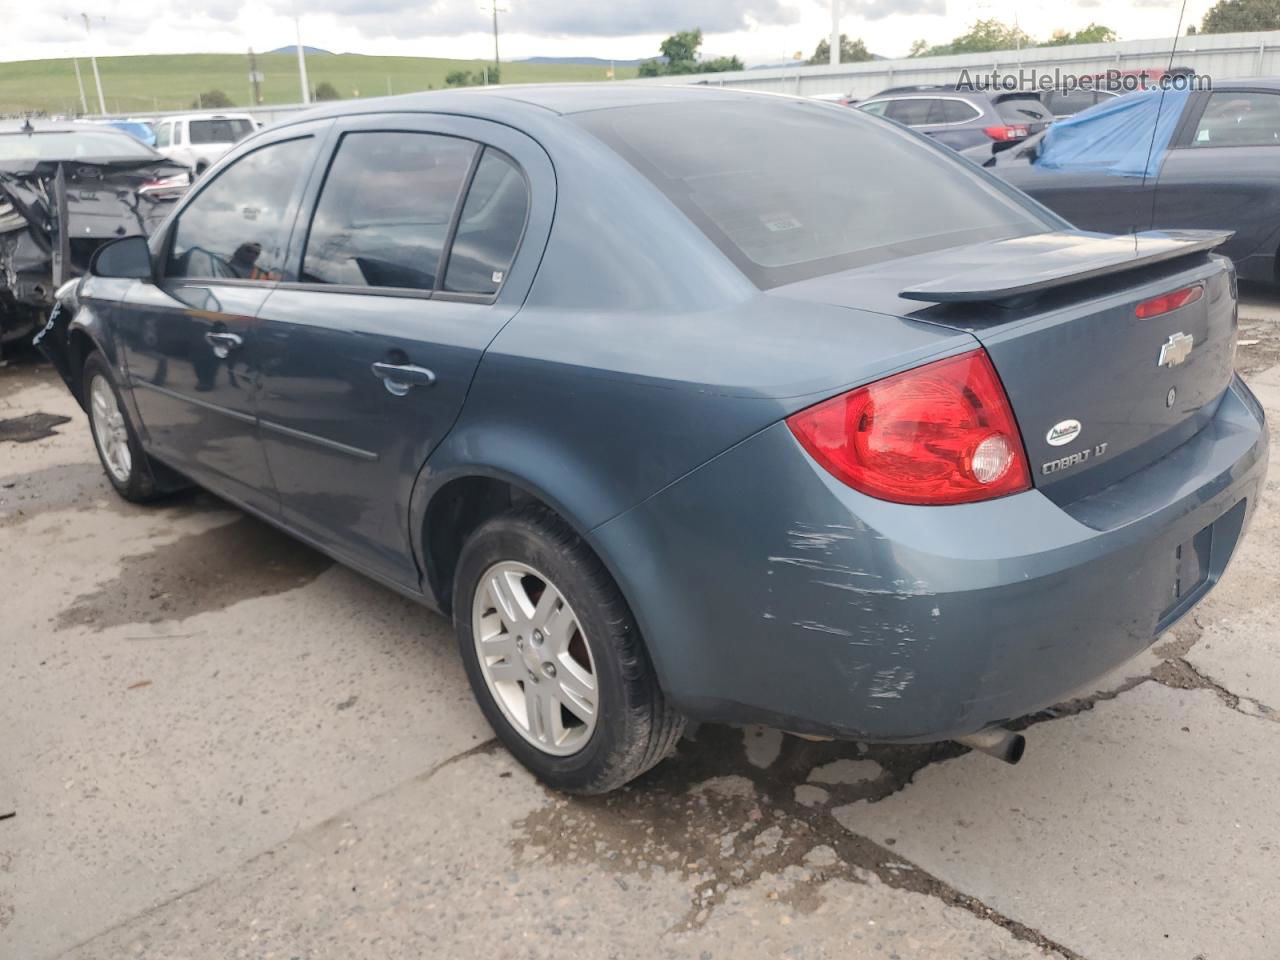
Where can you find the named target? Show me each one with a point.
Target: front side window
(162, 134)
(1233, 119)
(235, 227)
(490, 227)
(826, 190)
(220, 130)
(385, 208)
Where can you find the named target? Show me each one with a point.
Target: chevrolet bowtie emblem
(1176, 349)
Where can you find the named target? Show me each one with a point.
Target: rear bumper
(769, 592)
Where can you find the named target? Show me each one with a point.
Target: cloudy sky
(757, 30)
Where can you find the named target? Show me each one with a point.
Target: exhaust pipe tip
(996, 742)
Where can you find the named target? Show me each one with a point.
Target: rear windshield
(73, 145)
(789, 189)
(1023, 110)
(223, 130)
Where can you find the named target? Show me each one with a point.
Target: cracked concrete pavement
(220, 744)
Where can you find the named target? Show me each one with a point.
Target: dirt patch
(1258, 346)
(198, 573)
(33, 426)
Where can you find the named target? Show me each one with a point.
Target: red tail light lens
(1168, 302)
(1005, 134)
(940, 434)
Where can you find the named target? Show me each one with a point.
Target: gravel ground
(221, 744)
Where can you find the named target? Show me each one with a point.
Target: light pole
(97, 79)
(84, 102)
(302, 60)
(835, 33)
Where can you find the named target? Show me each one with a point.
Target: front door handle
(400, 378)
(223, 343)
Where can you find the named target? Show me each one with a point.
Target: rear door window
(915, 111)
(490, 227)
(826, 190)
(385, 209)
(1243, 119)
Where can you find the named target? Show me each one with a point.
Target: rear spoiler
(1004, 269)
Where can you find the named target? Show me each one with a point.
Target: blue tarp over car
(1125, 137)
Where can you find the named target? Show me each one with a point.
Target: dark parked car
(66, 189)
(1067, 103)
(828, 430)
(1203, 159)
(961, 118)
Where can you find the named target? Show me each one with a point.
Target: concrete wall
(1224, 56)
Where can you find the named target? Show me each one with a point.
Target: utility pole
(84, 102)
(255, 80)
(835, 33)
(302, 61)
(97, 79)
(497, 76)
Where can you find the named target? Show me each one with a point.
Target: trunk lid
(1098, 392)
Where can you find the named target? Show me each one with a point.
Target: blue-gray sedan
(687, 404)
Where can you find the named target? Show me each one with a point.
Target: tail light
(942, 433)
(1005, 134)
(1168, 302)
(165, 185)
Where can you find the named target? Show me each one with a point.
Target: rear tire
(132, 473)
(563, 679)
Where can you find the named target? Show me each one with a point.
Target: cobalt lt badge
(1175, 350)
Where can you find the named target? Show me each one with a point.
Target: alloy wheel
(535, 657)
(109, 430)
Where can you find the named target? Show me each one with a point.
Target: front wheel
(126, 464)
(555, 658)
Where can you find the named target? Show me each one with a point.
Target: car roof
(58, 126)
(222, 115)
(932, 93)
(544, 98)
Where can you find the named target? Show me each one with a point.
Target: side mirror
(128, 258)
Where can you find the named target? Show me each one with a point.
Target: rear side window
(1239, 120)
(824, 190)
(956, 111)
(915, 112)
(385, 208)
(490, 228)
(235, 227)
(222, 130)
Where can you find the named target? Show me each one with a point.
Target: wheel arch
(447, 506)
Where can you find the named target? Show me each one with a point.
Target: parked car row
(1171, 160)
(830, 430)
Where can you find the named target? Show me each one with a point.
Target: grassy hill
(172, 81)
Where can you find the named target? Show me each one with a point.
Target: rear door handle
(400, 378)
(223, 343)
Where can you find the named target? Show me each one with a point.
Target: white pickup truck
(199, 139)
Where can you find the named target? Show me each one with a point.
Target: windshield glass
(791, 189)
(72, 145)
(222, 130)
